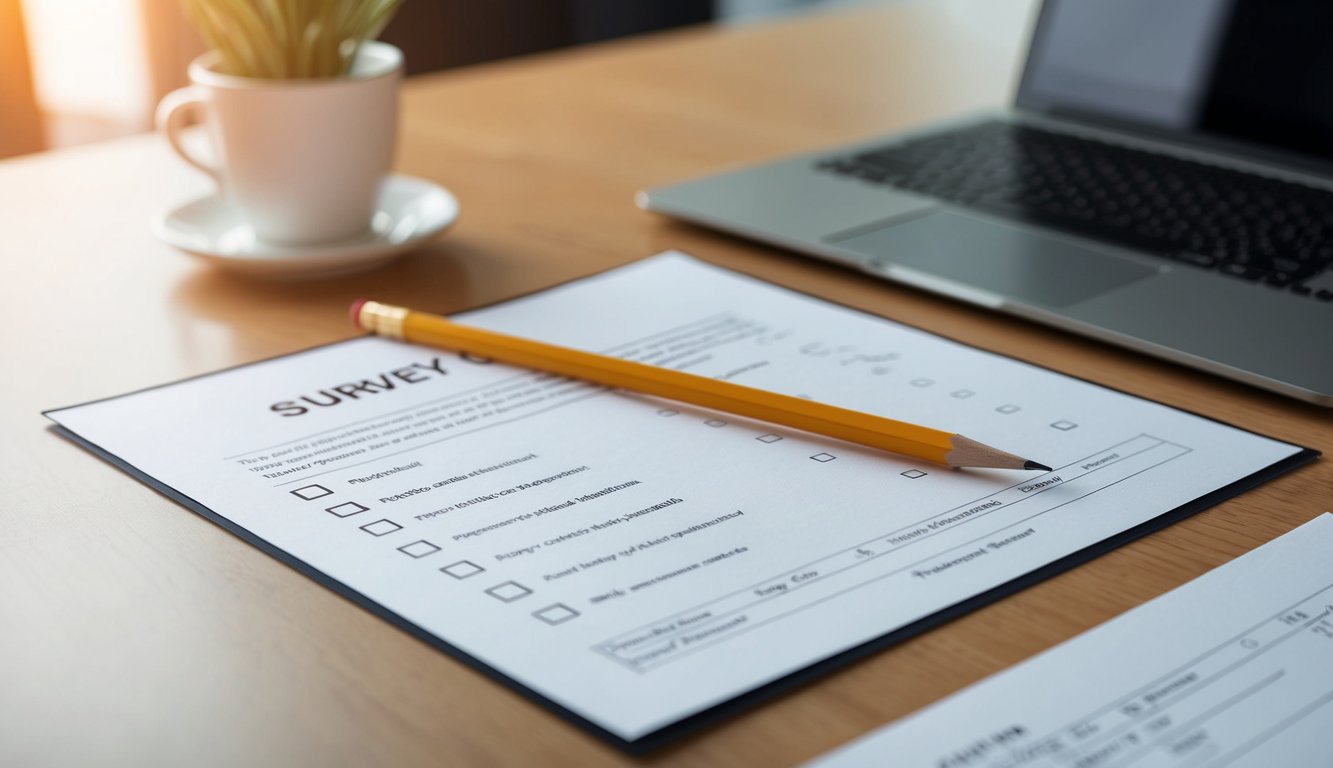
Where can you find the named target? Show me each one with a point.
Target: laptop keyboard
(1246, 226)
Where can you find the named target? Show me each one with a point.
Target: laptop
(1163, 181)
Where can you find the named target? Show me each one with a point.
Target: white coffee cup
(302, 160)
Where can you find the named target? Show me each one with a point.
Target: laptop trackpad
(999, 259)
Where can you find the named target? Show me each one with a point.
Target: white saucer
(410, 211)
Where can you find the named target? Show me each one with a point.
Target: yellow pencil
(853, 426)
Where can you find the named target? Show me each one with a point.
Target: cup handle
(171, 111)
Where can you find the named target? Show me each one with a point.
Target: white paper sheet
(1232, 669)
(638, 561)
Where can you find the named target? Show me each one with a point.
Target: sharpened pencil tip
(1030, 464)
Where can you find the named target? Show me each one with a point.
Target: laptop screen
(1257, 72)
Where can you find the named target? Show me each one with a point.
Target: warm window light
(90, 67)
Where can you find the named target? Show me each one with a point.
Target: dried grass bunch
(289, 39)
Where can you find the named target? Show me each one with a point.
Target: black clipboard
(755, 696)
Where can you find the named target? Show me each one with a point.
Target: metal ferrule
(383, 319)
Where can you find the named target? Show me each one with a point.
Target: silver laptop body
(1261, 334)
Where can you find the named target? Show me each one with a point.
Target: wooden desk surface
(136, 633)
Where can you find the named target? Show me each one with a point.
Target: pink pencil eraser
(356, 313)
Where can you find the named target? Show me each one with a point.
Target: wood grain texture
(138, 634)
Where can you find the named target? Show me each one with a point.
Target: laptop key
(1197, 259)
(1242, 271)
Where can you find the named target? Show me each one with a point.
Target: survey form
(638, 563)
(1232, 669)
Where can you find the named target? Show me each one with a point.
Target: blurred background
(77, 71)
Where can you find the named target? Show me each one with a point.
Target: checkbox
(346, 509)
(962, 394)
(509, 591)
(823, 457)
(1064, 426)
(419, 549)
(913, 474)
(311, 492)
(381, 527)
(769, 438)
(716, 423)
(667, 412)
(462, 569)
(556, 614)
(1010, 408)
(922, 382)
